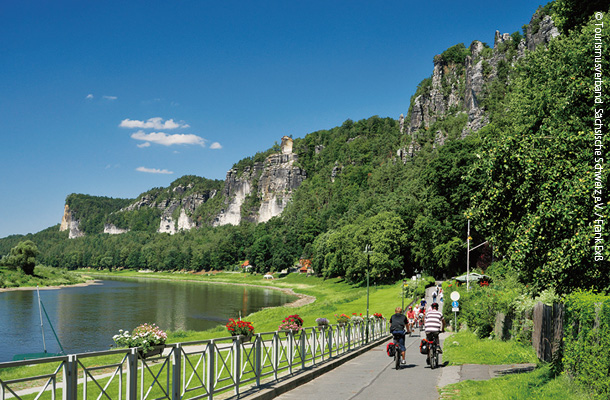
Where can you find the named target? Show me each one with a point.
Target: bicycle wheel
(431, 356)
(397, 358)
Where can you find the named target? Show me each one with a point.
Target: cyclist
(420, 315)
(411, 318)
(435, 323)
(398, 328)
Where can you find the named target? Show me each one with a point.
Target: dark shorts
(399, 336)
(432, 336)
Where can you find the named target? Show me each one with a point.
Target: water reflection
(86, 318)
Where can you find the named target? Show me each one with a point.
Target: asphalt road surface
(372, 376)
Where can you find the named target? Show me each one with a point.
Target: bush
(586, 355)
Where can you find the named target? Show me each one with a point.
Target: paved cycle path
(372, 376)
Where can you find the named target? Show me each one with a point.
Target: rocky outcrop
(262, 191)
(111, 229)
(184, 206)
(540, 31)
(457, 87)
(69, 223)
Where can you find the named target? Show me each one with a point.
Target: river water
(85, 318)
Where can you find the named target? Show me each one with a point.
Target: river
(86, 317)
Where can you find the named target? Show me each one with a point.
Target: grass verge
(466, 348)
(43, 276)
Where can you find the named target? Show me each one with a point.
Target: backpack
(423, 347)
(391, 349)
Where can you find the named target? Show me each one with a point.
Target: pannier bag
(391, 349)
(423, 347)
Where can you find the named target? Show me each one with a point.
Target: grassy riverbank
(466, 348)
(43, 276)
(332, 296)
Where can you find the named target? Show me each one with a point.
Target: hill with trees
(504, 137)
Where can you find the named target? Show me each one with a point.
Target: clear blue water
(85, 318)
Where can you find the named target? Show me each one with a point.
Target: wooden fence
(548, 330)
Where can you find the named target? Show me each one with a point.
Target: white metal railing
(191, 370)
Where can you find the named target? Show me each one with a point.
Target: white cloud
(89, 96)
(152, 123)
(153, 170)
(110, 97)
(168, 140)
(215, 145)
(145, 144)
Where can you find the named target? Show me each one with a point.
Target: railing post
(236, 370)
(290, 339)
(258, 368)
(211, 372)
(132, 374)
(314, 344)
(276, 355)
(176, 372)
(349, 337)
(330, 342)
(70, 379)
(303, 350)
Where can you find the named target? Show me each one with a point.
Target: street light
(367, 251)
(468, 256)
(403, 290)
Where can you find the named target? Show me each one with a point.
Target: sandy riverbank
(88, 283)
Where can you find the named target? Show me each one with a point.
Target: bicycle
(432, 355)
(397, 351)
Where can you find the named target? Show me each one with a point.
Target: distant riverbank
(87, 283)
(223, 278)
(43, 277)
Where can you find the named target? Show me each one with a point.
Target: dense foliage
(587, 341)
(542, 169)
(23, 257)
(525, 182)
(93, 210)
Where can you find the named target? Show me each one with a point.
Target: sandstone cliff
(261, 191)
(176, 206)
(458, 84)
(69, 223)
(255, 193)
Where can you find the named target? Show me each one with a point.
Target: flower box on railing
(155, 351)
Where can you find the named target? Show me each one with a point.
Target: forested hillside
(519, 162)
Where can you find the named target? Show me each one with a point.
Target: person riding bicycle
(435, 324)
(398, 328)
(411, 318)
(421, 313)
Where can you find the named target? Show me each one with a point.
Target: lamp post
(468, 256)
(403, 290)
(367, 251)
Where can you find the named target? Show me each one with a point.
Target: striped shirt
(434, 320)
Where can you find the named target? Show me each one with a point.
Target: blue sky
(112, 98)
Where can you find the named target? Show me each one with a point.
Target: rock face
(261, 192)
(184, 206)
(111, 229)
(457, 88)
(68, 223)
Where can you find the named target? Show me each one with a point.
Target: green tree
(537, 203)
(23, 256)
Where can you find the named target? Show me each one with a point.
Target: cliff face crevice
(262, 191)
